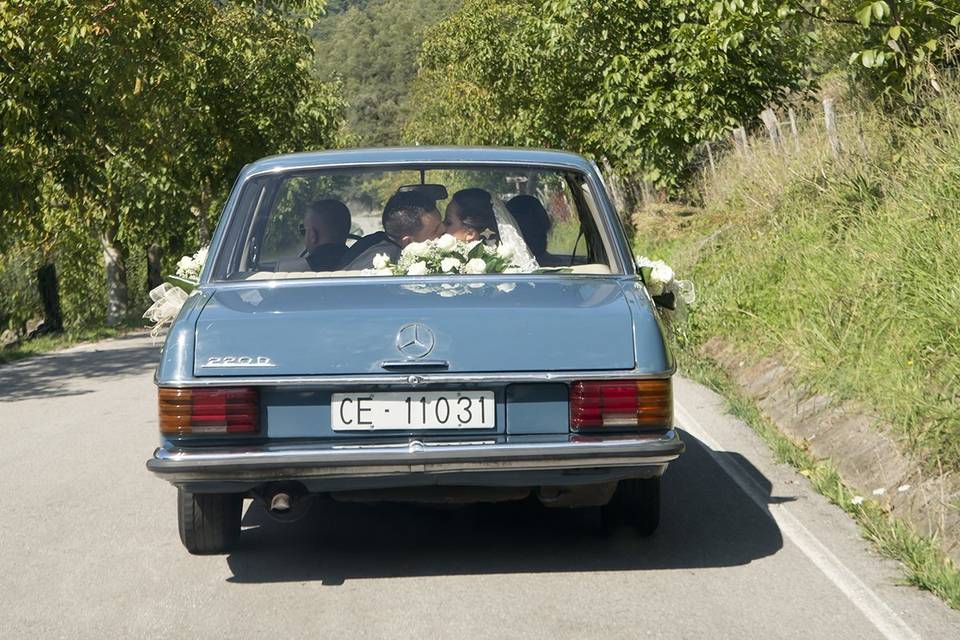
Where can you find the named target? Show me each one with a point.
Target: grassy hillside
(848, 268)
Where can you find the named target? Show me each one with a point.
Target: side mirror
(666, 300)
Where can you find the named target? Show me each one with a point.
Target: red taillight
(621, 404)
(216, 410)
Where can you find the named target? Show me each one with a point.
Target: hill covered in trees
(371, 47)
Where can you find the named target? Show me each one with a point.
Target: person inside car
(470, 216)
(326, 224)
(534, 225)
(407, 217)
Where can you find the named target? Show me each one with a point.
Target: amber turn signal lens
(218, 410)
(621, 404)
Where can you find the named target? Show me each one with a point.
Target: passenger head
(325, 222)
(533, 221)
(470, 216)
(411, 217)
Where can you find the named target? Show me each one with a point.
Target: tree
(636, 83)
(895, 49)
(126, 114)
(371, 48)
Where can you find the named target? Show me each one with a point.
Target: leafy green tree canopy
(118, 118)
(894, 48)
(636, 83)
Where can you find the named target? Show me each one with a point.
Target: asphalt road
(89, 547)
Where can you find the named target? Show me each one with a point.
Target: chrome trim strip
(422, 378)
(491, 278)
(309, 461)
(400, 164)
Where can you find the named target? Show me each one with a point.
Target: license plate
(403, 411)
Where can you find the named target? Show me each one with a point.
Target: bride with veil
(473, 214)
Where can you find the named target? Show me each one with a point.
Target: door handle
(414, 365)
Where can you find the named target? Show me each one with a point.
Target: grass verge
(924, 563)
(57, 341)
(844, 267)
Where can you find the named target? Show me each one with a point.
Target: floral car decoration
(660, 278)
(447, 255)
(169, 297)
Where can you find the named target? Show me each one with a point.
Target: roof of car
(418, 155)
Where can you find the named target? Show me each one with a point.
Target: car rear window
(419, 221)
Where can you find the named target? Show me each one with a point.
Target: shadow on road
(64, 374)
(707, 521)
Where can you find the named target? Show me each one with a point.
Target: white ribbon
(167, 300)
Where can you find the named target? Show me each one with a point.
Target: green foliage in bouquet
(446, 255)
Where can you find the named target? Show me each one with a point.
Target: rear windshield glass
(414, 222)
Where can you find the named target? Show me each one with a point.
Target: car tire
(635, 503)
(209, 522)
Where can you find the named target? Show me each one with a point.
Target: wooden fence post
(830, 119)
(614, 187)
(713, 167)
(773, 127)
(740, 138)
(793, 129)
(647, 191)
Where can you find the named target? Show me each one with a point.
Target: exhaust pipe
(280, 503)
(285, 501)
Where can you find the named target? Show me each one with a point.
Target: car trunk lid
(564, 323)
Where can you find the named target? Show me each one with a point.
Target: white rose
(447, 265)
(418, 269)
(505, 251)
(476, 265)
(446, 242)
(661, 273)
(416, 248)
(380, 261)
(200, 257)
(187, 267)
(644, 261)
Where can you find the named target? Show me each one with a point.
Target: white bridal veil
(511, 238)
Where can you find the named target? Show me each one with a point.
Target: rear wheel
(636, 503)
(209, 522)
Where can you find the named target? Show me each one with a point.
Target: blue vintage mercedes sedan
(426, 324)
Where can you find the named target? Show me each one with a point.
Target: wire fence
(838, 132)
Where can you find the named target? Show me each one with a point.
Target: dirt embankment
(869, 460)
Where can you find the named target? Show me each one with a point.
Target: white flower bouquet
(445, 255)
(660, 280)
(188, 270)
(170, 296)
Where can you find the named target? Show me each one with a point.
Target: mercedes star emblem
(415, 340)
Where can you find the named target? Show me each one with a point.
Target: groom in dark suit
(408, 217)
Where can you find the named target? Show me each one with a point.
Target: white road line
(869, 603)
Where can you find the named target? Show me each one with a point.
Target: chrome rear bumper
(357, 460)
